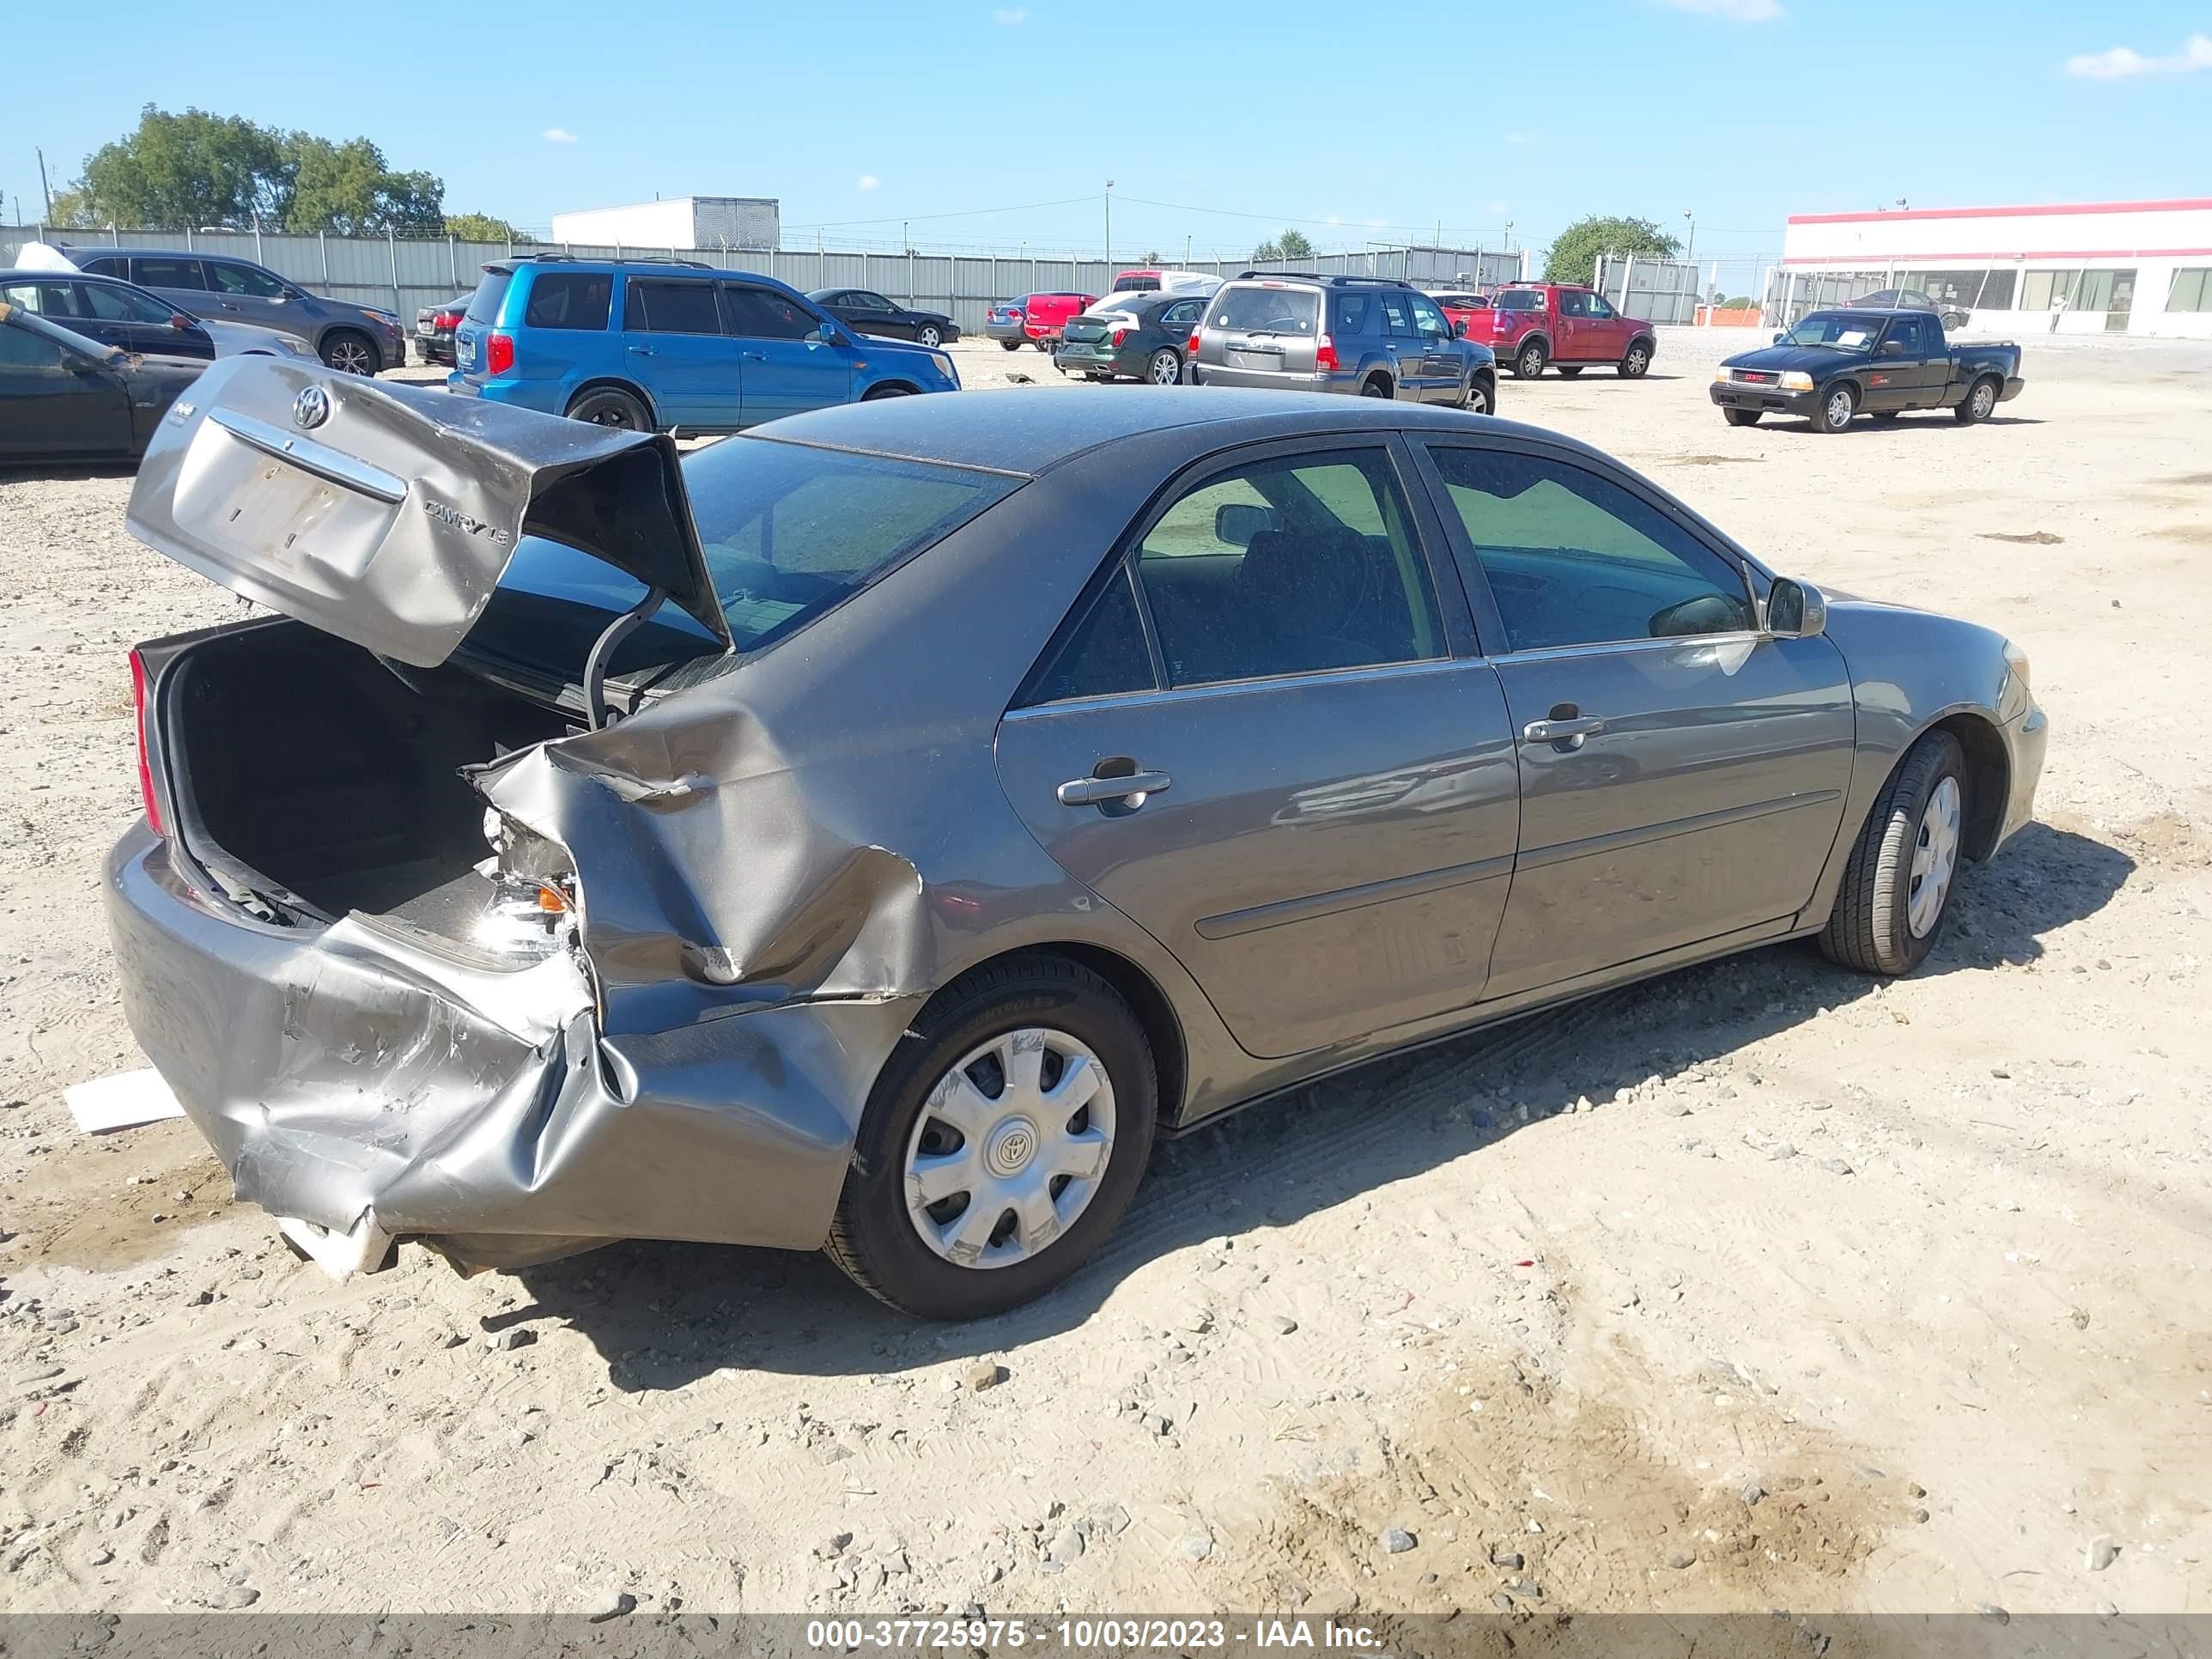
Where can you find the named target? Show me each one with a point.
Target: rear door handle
(1567, 732)
(641, 351)
(1097, 792)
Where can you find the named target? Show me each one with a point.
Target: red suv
(1529, 325)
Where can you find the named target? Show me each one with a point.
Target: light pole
(1110, 230)
(1690, 253)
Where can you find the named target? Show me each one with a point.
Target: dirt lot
(1761, 1284)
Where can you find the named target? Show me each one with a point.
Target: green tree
(1575, 249)
(1290, 245)
(349, 189)
(485, 228)
(176, 172)
(1154, 256)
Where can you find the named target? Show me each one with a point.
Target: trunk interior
(302, 766)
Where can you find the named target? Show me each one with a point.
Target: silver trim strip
(331, 465)
(1235, 922)
(1235, 688)
(1566, 851)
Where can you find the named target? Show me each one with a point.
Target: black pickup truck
(1837, 364)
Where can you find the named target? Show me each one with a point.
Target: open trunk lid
(385, 513)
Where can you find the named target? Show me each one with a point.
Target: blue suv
(671, 345)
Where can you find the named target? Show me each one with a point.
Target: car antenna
(595, 665)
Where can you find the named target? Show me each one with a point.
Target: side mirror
(1780, 335)
(1459, 329)
(1892, 348)
(178, 320)
(1796, 609)
(828, 334)
(1237, 522)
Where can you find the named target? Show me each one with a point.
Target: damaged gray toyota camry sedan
(869, 833)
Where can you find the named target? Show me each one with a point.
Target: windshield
(1267, 310)
(789, 530)
(1835, 328)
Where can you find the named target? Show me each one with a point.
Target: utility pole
(1110, 230)
(46, 189)
(1690, 253)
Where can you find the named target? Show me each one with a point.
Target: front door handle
(1569, 733)
(641, 351)
(1131, 787)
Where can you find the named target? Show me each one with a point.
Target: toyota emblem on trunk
(311, 408)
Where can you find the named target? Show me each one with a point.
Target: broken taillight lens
(145, 766)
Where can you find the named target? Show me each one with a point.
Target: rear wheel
(1165, 368)
(1528, 361)
(1375, 386)
(1979, 404)
(1741, 416)
(1635, 360)
(1001, 1144)
(1011, 345)
(1896, 887)
(349, 353)
(610, 406)
(1837, 405)
(930, 335)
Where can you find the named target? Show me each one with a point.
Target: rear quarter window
(490, 295)
(1520, 299)
(567, 298)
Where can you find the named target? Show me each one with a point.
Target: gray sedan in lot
(872, 832)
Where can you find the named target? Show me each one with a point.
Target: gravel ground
(1760, 1285)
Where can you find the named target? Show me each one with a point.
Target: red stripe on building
(2192, 204)
(1861, 261)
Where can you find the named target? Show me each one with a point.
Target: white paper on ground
(121, 1101)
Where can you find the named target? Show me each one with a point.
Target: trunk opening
(300, 767)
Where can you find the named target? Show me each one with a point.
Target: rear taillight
(447, 319)
(1190, 346)
(1120, 334)
(145, 765)
(499, 353)
(1325, 353)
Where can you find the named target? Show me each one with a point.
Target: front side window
(867, 302)
(118, 305)
(563, 299)
(255, 284)
(1427, 317)
(1289, 566)
(658, 306)
(761, 314)
(1572, 304)
(1572, 558)
(167, 273)
(1600, 309)
(1910, 333)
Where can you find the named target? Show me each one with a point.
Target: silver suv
(1374, 337)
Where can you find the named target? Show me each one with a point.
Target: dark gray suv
(358, 339)
(1374, 337)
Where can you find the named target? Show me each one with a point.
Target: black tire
(1376, 387)
(1479, 396)
(1742, 416)
(886, 391)
(1011, 345)
(1528, 361)
(350, 352)
(1635, 361)
(1164, 367)
(610, 406)
(872, 1236)
(1837, 405)
(1979, 402)
(1570, 370)
(1870, 928)
(929, 335)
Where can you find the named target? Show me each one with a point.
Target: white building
(680, 222)
(2076, 268)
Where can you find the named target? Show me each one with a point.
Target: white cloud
(2120, 64)
(1011, 17)
(1734, 11)
(867, 181)
(1516, 138)
(558, 136)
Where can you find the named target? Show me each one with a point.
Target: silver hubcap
(1476, 402)
(1009, 1148)
(929, 336)
(1532, 363)
(1636, 361)
(349, 357)
(1840, 410)
(1166, 370)
(1984, 401)
(1935, 857)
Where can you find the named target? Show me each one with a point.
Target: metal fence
(1790, 293)
(1653, 290)
(402, 275)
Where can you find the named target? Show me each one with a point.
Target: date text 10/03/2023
(1089, 1635)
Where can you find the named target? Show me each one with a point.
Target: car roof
(1029, 432)
(101, 251)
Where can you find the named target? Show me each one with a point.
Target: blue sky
(1357, 121)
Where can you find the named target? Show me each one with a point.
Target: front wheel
(929, 335)
(1896, 887)
(1742, 416)
(875, 391)
(1979, 404)
(349, 353)
(1635, 360)
(1837, 405)
(1165, 368)
(1001, 1143)
(1529, 363)
(1478, 397)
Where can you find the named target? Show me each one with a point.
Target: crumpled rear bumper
(366, 1072)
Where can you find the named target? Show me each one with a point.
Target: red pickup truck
(1529, 325)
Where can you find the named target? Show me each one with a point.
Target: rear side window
(1350, 313)
(45, 299)
(1267, 310)
(1101, 655)
(107, 264)
(168, 273)
(566, 299)
(490, 295)
(1520, 299)
(658, 306)
(763, 314)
